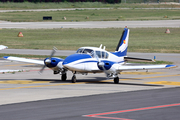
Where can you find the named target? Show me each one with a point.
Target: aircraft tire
(73, 80)
(116, 80)
(63, 77)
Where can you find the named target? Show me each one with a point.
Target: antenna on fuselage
(100, 46)
(104, 48)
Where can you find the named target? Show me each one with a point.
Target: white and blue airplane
(94, 60)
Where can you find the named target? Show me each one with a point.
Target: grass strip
(30, 56)
(50, 5)
(147, 40)
(63, 57)
(93, 15)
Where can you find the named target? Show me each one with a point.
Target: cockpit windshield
(85, 51)
(100, 54)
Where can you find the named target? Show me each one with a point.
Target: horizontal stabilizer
(24, 60)
(138, 59)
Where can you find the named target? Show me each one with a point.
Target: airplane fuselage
(85, 62)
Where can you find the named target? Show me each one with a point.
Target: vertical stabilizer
(121, 49)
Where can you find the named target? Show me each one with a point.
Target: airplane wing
(3, 47)
(24, 60)
(138, 59)
(143, 67)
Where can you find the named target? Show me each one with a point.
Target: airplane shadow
(97, 80)
(94, 80)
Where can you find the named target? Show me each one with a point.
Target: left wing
(143, 67)
(24, 60)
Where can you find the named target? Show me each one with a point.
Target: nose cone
(47, 61)
(75, 61)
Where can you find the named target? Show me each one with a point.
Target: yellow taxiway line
(177, 83)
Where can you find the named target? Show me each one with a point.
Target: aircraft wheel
(116, 80)
(73, 79)
(63, 77)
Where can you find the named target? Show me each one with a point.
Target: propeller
(48, 60)
(101, 64)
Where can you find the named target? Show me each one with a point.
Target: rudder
(121, 49)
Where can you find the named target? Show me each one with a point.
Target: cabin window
(98, 53)
(103, 55)
(107, 55)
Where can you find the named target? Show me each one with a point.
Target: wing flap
(24, 60)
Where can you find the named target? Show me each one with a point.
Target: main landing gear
(64, 77)
(73, 80)
(116, 80)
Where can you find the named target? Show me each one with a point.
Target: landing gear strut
(63, 77)
(116, 80)
(73, 80)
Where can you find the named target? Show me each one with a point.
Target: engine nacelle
(53, 62)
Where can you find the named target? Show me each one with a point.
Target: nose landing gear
(73, 80)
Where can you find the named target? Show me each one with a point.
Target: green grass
(30, 56)
(141, 39)
(157, 62)
(27, 5)
(93, 15)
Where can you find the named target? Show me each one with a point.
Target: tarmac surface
(140, 95)
(91, 24)
(148, 95)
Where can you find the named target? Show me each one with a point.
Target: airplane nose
(75, 61)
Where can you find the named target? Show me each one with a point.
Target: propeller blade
(48, 61)
(53, 52)
(42, 69)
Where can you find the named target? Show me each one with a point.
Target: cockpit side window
(86, 51)
(79, 50)
(89, 51)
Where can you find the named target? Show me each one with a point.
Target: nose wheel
(63, 77)
(73, 80)
(116, 80)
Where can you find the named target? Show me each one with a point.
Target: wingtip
(171, 66)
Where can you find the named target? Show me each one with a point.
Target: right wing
(143, 67)
(40, 62)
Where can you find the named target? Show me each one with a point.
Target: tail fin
(121, 49)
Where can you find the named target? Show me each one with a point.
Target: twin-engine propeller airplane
(93, 60)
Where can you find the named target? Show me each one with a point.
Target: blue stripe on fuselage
(75, 57)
